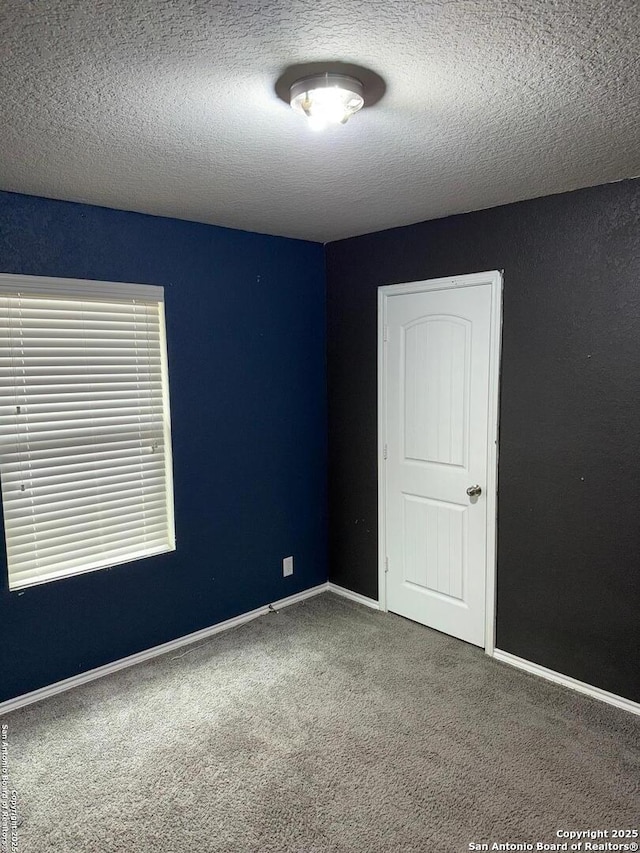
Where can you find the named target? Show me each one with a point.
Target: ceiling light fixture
(326, 98)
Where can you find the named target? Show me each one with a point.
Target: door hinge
(386, 565)
(385, 333)
(385, 452)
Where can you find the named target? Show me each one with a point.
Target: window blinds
(85, 449)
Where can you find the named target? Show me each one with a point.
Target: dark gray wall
(569, 474)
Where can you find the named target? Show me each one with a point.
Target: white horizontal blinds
(85, 452)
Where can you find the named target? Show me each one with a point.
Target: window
(85, 444)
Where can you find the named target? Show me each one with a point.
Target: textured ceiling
(169, 107)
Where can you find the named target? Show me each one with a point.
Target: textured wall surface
(246, 344)
(168, 107)
(569, 474)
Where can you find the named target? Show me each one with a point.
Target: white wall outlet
(287, 567)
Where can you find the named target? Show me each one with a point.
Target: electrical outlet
(287, 567)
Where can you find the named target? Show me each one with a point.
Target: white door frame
(494, 278)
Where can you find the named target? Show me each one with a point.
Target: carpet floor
(325, 727)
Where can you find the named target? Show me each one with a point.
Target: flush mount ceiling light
(326, 98)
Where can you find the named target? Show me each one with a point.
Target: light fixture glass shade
(327, 98)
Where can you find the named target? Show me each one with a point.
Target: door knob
(474, 491)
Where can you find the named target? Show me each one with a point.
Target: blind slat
(13, 448)
(79, 409)
(112, 454)
(82, 432)
(71, 373)
(67, 330)
(84, 545)
(117, 510)
(152, 463)
(44, 397)
(74, 529)
(41, 306)
(42, 498)
(78, 565)
(27, 424)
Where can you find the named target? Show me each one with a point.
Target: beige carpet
(324, 727)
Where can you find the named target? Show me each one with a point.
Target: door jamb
(495, 279)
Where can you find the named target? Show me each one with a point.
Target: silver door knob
(474, 491)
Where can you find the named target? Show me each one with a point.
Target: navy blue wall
(246, 340)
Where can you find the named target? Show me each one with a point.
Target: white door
(440, 424)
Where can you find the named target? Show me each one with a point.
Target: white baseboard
(198, 636)
(147, 654)
(353, 596)
(567, 681)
